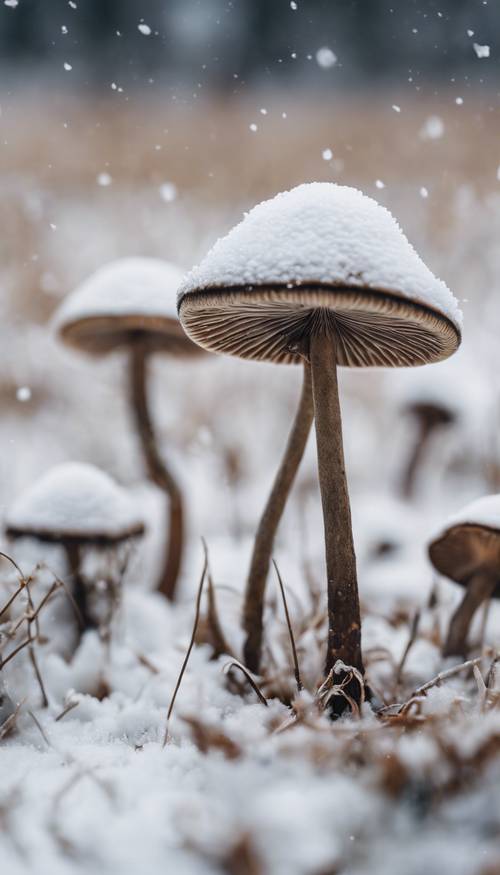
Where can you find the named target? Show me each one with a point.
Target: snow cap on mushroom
(121, 299)
(75, 501)
(320, 246)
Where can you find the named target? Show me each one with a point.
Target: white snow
(129, 286)
(433, 128)
(484, 511)
(75, 498)
(481, 51)
(326, 58)
(321, 232)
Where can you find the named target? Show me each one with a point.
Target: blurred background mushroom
(467, 550)
(130, 305)
(80, 508)
(300, 278)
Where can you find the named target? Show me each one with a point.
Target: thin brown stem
(344, 621)
(157, 469)
(80, 589)
(479, 588)
(253, 609)
(296, 667)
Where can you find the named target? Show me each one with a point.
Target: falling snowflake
(326, 58)
(11, 3)
(481, 51)
(168, 192)
(144, 29)
(23, 393)
(64, 29)
(327, 154)
(396, 108)
(293, 5)
(424, 192)
(379, 183)
(498, 173)
(67, 66)
(253, 127)
(459, 101)
(432, 129)
(104, 179)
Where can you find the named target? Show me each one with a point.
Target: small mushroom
(130, 305)
(77, 506)
(322, 274)
(467, 551)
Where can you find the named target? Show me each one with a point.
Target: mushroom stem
(479, 588)
(344, 622)
(253, 608)
(157, 469)
(80, 590)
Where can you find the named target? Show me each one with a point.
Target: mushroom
(130, 304)
(322, 274)
(77, 506)
(467, 551)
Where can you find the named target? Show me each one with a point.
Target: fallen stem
(234, 663)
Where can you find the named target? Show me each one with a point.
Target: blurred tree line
(217, 42)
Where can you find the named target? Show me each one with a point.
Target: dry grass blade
(234, 663)
(40, 729)
(449, 673)
(290, 630)
(9, 724)
(66, 710)
(191, 643)
(13, 653)
(413, 636)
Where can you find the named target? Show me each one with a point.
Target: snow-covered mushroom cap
(320, 251)
(75, 502)
(124, 300)
(470, 541)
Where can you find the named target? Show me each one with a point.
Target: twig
(13, 653)
(413, 635)
(191, 643)
(234, 663)
(36, 669)
(444, 675)
(290, 630)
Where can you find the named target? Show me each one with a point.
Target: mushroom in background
(467, 551)
(322, 275)
(130, 305)
(79, 507)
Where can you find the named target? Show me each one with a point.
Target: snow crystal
(484, 511)
(481, 51)
(67, 66)
(433, 129)
(321, 232)
(327, 154)
(253, 127)
(379, 183)
(326, 58)
(424, 192)
(396, 108)
(75, 497)
(459, 101)
(144, 29)
(129, 286)
(293, 5)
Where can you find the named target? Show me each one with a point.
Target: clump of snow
(325, 233)
(75, 498)
(484, 511)
(127, 287)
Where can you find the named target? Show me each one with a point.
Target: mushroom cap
(469, 542)
(319, 255)
(126, 300)
(75, 502)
